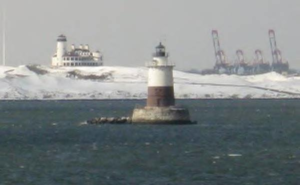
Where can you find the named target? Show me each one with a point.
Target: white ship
(81, 56)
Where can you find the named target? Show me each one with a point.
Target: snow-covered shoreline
(118, 83)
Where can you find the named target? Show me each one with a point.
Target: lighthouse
(61, 47)
(161, 108)
(160, 80)
(75, 57)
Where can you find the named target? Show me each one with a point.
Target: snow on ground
(42, 82)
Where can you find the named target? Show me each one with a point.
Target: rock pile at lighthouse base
(161, 115)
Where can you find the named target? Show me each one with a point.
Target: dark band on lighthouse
(160, 97)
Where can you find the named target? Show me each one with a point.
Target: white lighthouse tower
(160, 108)
(61, 48)
(160, 80)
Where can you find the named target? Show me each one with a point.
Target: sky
(127, 31)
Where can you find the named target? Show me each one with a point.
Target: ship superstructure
(81, 56)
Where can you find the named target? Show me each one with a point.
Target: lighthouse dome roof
(62, 38)
(160, 46)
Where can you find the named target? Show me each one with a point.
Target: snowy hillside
(41, 82)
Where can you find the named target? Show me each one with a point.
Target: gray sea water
(236, 142)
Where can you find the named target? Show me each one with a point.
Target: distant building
(81, 56)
